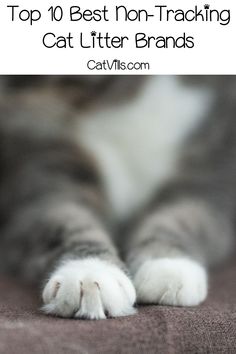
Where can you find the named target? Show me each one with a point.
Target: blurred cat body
(138, 144)
(101, 174)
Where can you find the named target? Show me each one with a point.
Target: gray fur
(51, 201)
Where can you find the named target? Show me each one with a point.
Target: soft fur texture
(89, 288)
(166, 281)
(102, 177)
(138, 144)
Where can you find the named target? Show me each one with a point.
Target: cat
(116, 190)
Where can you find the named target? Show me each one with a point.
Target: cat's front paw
(176, 282)
(89, 288)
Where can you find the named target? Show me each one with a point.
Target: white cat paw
(89, 288)
(176, 282)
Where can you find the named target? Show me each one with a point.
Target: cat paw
(176, 282)
(89, 288)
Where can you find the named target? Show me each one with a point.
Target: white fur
(89, 288)
(137, 144)
(166, 281)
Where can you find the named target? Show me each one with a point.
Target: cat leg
(169, 253)
(53, 229)
(89, 281)
(64, 243)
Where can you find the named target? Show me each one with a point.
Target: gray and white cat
(116, 189)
